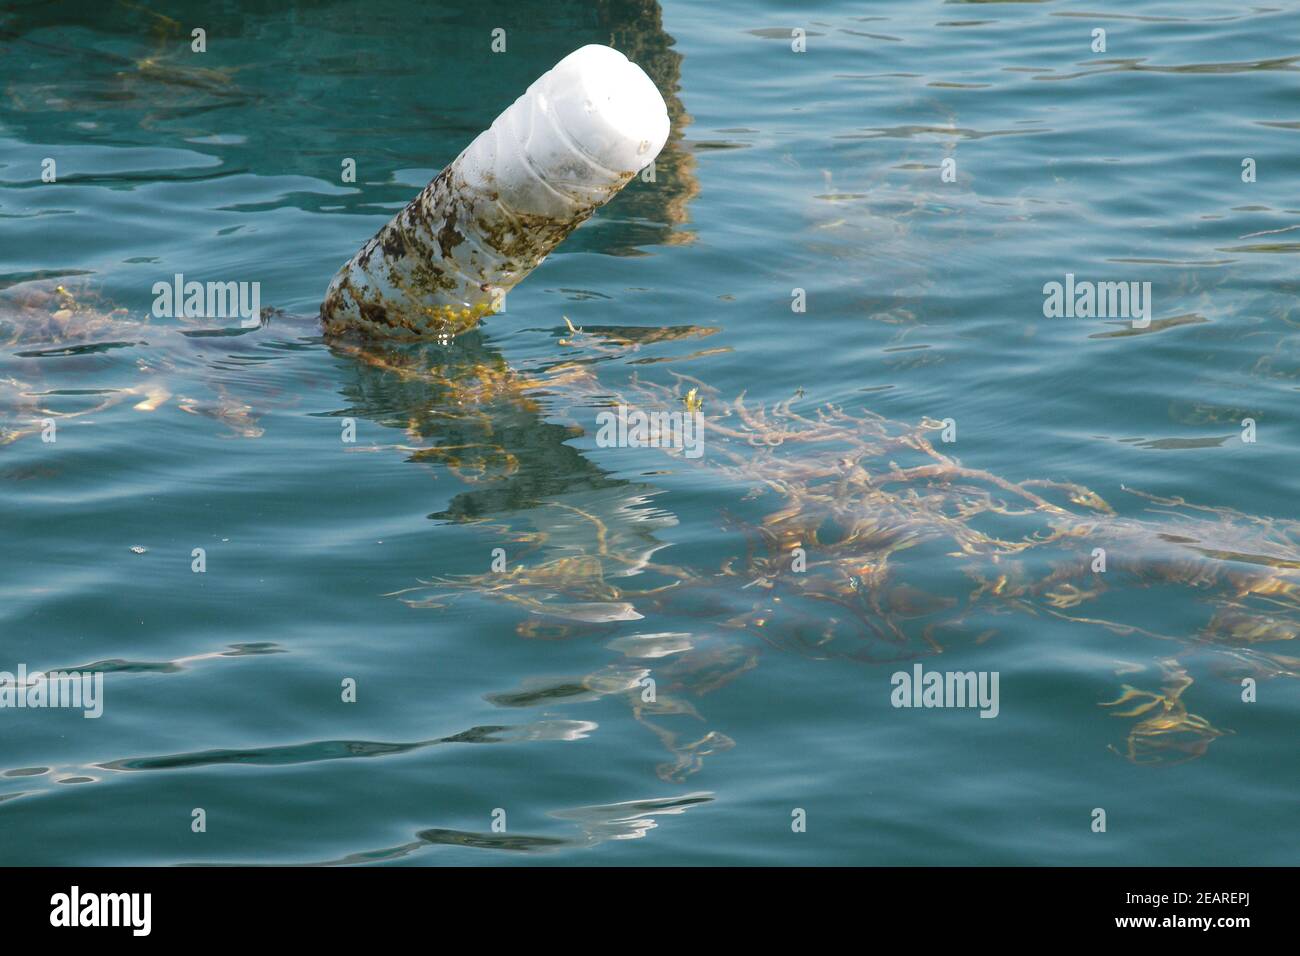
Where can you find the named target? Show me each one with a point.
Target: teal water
(821, 171)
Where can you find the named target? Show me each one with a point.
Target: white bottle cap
(608, 107)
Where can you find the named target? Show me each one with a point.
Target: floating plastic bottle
(575, 137)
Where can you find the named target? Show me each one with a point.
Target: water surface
(371, 561)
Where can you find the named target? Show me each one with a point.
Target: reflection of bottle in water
(574, 139)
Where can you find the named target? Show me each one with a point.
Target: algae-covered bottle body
(565, 147)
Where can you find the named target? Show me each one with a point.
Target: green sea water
(854, 220)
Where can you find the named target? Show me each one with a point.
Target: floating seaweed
(47, 320)
(867, 503)
(903, 551)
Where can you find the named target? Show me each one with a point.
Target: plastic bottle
(575, 137)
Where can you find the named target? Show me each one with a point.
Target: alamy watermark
(633, 428)
(1098, 300)
(77, 690)
(946, 689)
(75, 908)
(179, 299)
